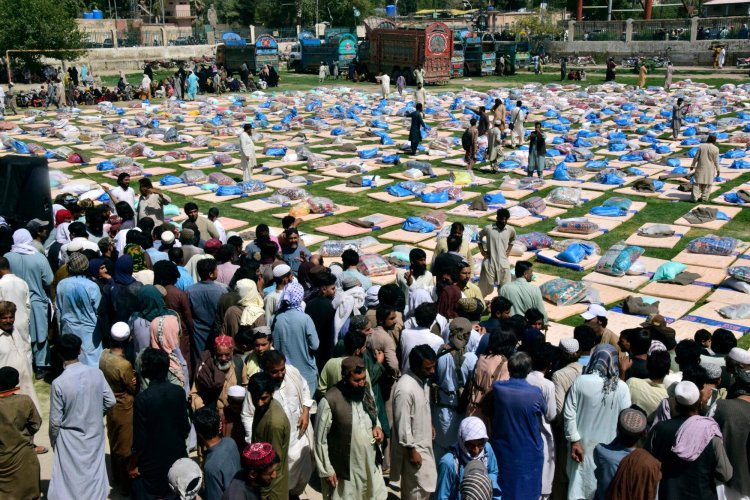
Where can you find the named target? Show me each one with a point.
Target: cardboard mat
(667, 242)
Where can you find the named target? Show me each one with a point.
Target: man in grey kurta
(33, 268)
(204, 301)
(706, 166)
(79, 398)
(495, 242)
(412, 458)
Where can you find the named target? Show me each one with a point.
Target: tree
(341, 12)
(39, 25)
(535, 26)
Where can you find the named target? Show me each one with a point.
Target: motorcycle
(743, 62)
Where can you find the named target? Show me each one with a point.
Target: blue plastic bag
(435, 197)
(740, 164)
(276, 151)
(169, 180)
(20, 147)
(603, 211)
(105, 166)
(734, 153)
(390, 159)
(417, 225)
(673, 162)
(228, 191)
(398, 191)
(494, 199)
(611, 179)
(338, 131)
(575, 253)
(561, 173)
(368, 153)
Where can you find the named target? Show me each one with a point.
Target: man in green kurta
(19, 421)
(706, 166)
(347, 437)
(271, 425)
(521, 293)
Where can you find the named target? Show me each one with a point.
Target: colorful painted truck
(400, 49)
(264, 51)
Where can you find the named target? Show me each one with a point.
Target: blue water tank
(88, 15)
(390, 10)
(97, 14)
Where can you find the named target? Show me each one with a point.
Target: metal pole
(317, 17)
(609, 10)
(162, 12)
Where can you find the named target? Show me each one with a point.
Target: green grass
(655, 211)
(297, 81)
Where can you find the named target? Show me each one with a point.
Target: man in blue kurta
(204, 301)
(516, 431)
(79, 398)
(32, 267)
(77, 303)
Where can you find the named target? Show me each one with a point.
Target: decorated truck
(400, 49)
(479, 54)
(264, 51)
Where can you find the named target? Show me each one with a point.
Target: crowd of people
(275, 367)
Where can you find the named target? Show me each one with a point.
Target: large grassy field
(656, 210)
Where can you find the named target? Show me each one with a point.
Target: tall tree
(39, 25)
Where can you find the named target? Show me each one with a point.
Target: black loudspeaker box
(24, 190)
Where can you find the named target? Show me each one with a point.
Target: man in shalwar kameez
(347, 438)
(293, 394)
(32, 267)
(247, 152)
(79, 398)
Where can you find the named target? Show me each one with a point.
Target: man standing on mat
(495, 242)
(247, 152)
(705, 168)
(415, 129)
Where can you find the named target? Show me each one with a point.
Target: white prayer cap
(236, 391)
(281, 270)
(741, 356)
(74, 246)
(570, 346)
(167, 237)
(594, 310)
(687, 393)
(120, 331)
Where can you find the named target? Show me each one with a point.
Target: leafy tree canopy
(39, 25)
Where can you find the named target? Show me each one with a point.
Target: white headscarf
(250, 300)
(22, 243)
(416, 299)
(471, 428)
(346, 303)
(62, 235)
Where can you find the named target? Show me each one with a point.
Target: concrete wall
(109, 61)
(696, 53)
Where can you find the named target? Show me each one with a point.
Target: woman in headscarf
(164, 334)
(473, 444)
(150, 305)
(121, 294)
(248, 311)
(346, 304)
(61, 237)
(294, 334)
(590, 415)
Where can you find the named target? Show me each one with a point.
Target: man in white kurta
(247, 152)
(385, 85)
(79, 398)
(517, 132)
(345, 408)
(294, 397)
(590, 416)
(412, 459)
(14, 289)
(15, 351)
